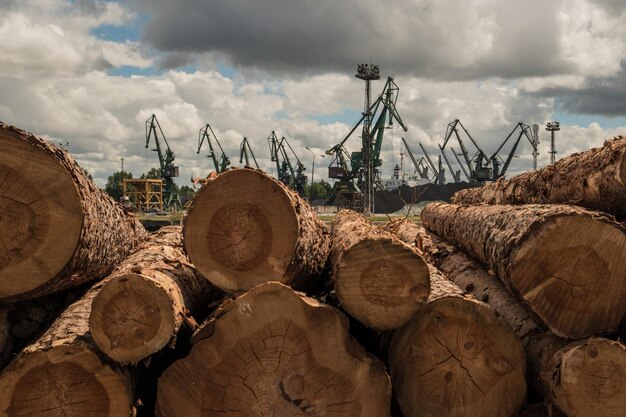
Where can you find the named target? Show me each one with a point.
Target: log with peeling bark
(57, 229)
(457, 358)
(64, 374)
(379, 280)
(594, 179)
(245, 228)
(274, 352)
(584, 378)
(148, 297)
(567, 264)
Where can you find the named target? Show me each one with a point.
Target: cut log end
(456, 358)
(244, 231)
(63, 381)
(593, 378)
(41, 216)
(272, 352)
(131, 318)
(573, 264)
(381, 283)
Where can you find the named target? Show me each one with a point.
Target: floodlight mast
(552, 127)
(367, 73)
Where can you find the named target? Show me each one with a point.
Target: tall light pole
(552, 127)
(367, 73)
(313, 167)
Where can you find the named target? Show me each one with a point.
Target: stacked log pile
(475, 314)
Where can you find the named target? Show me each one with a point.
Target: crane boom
(223, 163)
(166, 161)
(245, 152)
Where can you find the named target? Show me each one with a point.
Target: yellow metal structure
(145, 194)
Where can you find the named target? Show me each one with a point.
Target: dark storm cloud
(175, 60)
(599, 96)
(440, 39)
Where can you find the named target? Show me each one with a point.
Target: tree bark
(379, 280)
(64, 374)
(595, 179)
(271, 352)
(245, 228)
(145, 301)
(584, 378)
(57, 229)
(457, 358)
(566, 263)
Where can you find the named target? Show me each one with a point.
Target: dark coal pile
(392, 201)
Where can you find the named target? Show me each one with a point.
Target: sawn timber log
(379, 280)
(595, 179)
(64, 373)
(270, 352)
(584, 379)
(567, 264)
(58, 229)
(456, 358)
(245, 228)
(147, 298)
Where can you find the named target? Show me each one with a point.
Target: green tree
(318, 190)
(154, 174)
(186, 193)
(114, 186)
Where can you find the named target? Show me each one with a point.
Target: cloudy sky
(91, 72)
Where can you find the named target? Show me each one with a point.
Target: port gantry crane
(476, 168)
(357, 173)
(245, 152)
(439, 170)
(287, 174)
(166, 162)
(221, 164)
(421, 168)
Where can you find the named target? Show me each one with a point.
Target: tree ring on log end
(279, 386)
(241, 230)
(593, 378)
(456, 358)
(62, 382)
(40, 216)
(245, 237)
(131, 318)
(273, 352)
(570, 271)
(381, 283)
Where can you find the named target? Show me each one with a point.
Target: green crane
(221, 164)
(285, 171)
(166, 163)
(245, 152)
(348, 168)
